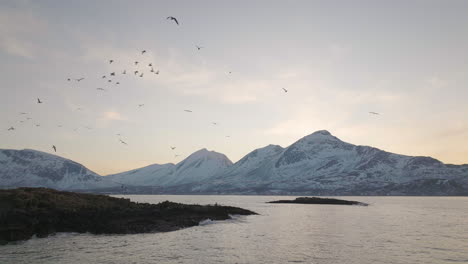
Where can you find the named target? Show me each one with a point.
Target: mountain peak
(319, 136)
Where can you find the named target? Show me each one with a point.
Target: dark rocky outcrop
(317, 200)
(25, 212)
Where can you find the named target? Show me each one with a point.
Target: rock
(317, 200)
(25, 212)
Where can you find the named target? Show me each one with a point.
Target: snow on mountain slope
(31, 168)
(199, 166)
(321, 163)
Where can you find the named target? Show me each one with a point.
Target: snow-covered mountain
(197, 167)
(322, 164)
(31, 168)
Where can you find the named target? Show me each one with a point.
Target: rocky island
(25, 212)
(317, 200)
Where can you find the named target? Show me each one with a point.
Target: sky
(338, 60)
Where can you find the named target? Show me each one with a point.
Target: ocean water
(390, 230)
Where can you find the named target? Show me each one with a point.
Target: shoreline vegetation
(25, 212)
(317, 200)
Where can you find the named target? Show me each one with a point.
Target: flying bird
(117, 134)
(176, 155)
(190, 111)
(141, 75)
(111, 61)
(173, 148)
(103, 76)
(284, 90)
(39, 101)
(28, 118)
(100, 89)
(79, 109)
(374, 113)
(109, 80)
(152, 70)
(136, 62)
(124, 72)
(214, 123)
(150, 65)
(117, 83)
(199, 48)
(37, 125)
(157, 72)
(174, 19)
(143, 52)
(23, 113)
(112, 74)
(228, 136)
(140, 105)
(135, 72)
(11, 128)
(80, 79)
(68, 79)
(55, 149)
(123, 142)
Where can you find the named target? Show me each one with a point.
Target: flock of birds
(138, 73)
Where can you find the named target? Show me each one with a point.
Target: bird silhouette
(284, 90)
(79, 108)
(173, 148)
(152, 70)
(80, 79)
(214, 123)
(109, 80)
(11, 128)
(124, 72)
(136, 62)
(140, 105)
(23, 113)
(100, 89)
(190, 111)
(174, 19)
(55, 149)
(135, 72)
(141, 75)
(150, 65)
(143, 52)
(111, 61)
(103, 77)
(112, 74)
(37, 125)
(157, 72)
(123, 142)
(374, 113)
(176, 155)
(68, 79)
(199, 48)
(39, 101)
(117, 83)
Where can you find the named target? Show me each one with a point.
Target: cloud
(112, 115)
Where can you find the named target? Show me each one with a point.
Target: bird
(124, 72)
(150, 65)
(135, 72)
(174, 19)
(152, 70)
(143, 52)
(141, 75)
(230, 72)
(176, 155)
(117, 83)
(123, 142)
(140, 105)
(11, 128)
(23, 113)
(214, 123)
(136, 62)
(284, 90)
(68, 79)
(374, 113)
(157, 72)
(111, 61)
(199, 48)
(117, 134)
(39, 101)
(79, 109)
(173, 148)
(112, 74)
(37, 125)
(100, 89)
(103, 77)
(190, 111)
(80, 79)
(228, 136)
(55, 149)
(28, 118)
(109, 80)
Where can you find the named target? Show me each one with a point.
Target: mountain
(323, 164)
(32, 168)
(199, 166)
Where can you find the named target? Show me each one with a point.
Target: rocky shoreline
(25, 212)
(317, 200)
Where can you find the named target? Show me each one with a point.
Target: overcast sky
(339, 60)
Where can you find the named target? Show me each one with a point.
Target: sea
(390, 230)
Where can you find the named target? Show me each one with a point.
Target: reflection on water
(390, 230)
